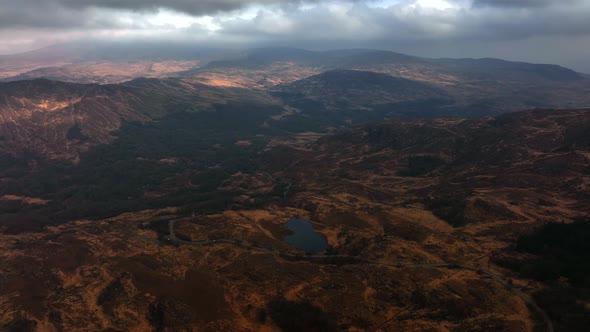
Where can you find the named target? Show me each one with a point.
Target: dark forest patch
(448, 207)
(562, 251)
(421, 165)
(293, 316)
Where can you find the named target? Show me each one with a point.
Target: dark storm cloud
(523, 3)
(56, 13)
(35, 14)
(406, 23)
(53, 15)
(484, 18)
(76, 13)
(464, 24)
(195, 7)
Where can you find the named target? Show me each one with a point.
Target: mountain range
(320, 90)
(149, 189)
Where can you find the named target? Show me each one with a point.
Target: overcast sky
(553, 31)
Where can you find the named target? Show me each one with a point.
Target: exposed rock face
(479, 165)
(413, 193)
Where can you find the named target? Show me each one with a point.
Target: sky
(547, 31)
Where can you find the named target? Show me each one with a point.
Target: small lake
(304, 237)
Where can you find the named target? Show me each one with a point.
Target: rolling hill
(419, 198)
(59, 120)
(478, 86)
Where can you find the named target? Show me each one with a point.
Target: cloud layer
(440, 27)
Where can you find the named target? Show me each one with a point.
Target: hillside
(106, 72)
(425, 197)
(341, 90)
(511, 163)
(59, 120)
(104, 62)
(477, 86)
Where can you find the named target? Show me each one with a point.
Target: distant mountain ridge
(353, 89)
(498, 68)
(77, 63)
(311, 90)
(364, 58)
(477, 161)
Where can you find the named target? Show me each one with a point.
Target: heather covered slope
(59, 120)
(104, 62)
(495, 181)
(416, 193)
(520, 159)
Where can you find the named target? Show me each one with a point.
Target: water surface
(304, 237)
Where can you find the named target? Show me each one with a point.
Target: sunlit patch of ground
(24, 199)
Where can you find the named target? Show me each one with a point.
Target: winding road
(527, 299)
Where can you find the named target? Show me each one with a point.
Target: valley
(432, 195)
(411, 192)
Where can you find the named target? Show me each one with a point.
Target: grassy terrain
(562, 251)
(181, 159)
